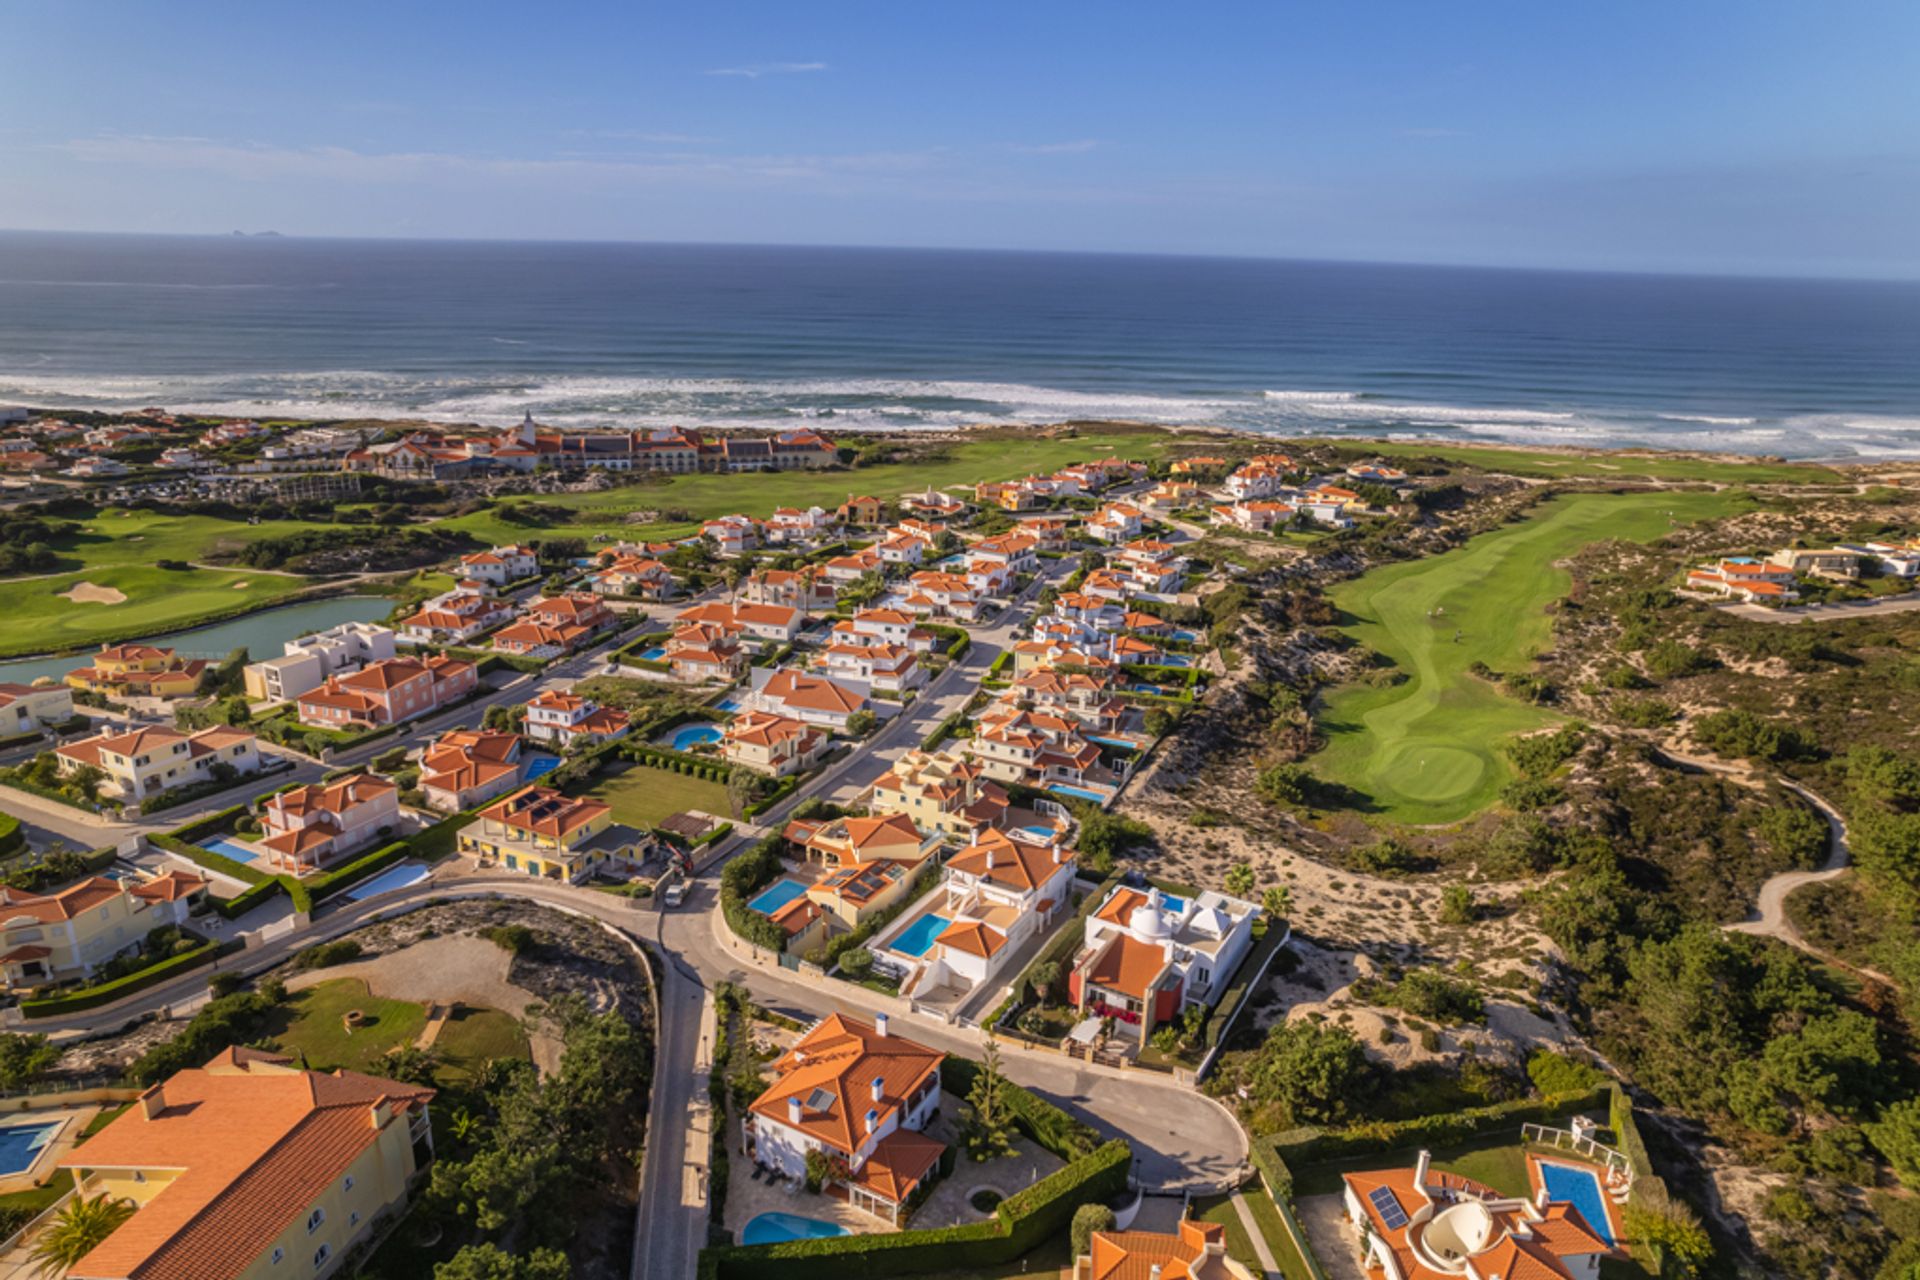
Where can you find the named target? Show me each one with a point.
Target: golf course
(1427, 749)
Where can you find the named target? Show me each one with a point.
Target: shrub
(325, 955)
(1087, 1219)
(107, 992)
(510, 938)
(1744, 734)
(1553, 1073)
(1457, 905)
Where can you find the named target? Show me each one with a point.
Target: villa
(1199, 465)
(52, 937)
(862, 510)
(310, 827)
(732, 535)
(1018, 551)
(891, 668)
(25, 708)
(941, 791)
(890, 626)
(803, 589)
(569, 720)
(857, 841)
(704, 652)
(1256, 516)
(638, 576)
(388, 692)
(1839, 562)
(773, 622)
(501, 565)
(468, 766)
(1423, 1224)
(1116, 522)
(812, 699)
(1256, 479)
(903, 548)
(790, 526)
(308, 660)
(455, 617)
(1149, 956)
(1752, 580)
(138, 671)
(932, 592)
(1082, 696)
(997, 893)
(541, 832)
(1892, 559)
(1194, 1251)
(250, 1166)
(1034, 748)
(932, 504)
(862, 1096)
(851, 568)
(773, 744)
(148, 762)
(556, 625)
(849, 897)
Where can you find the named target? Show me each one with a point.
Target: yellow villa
(138, 671)
(541, 832)
(51, 937)
(941, 791)
(249, 1168)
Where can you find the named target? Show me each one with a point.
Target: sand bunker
(241, 586)
(88, 593)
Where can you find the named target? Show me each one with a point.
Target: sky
(1718, 136)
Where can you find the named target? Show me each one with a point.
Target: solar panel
(820, 1100)
(1392, 1216)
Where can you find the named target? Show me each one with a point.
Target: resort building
(998, 892)
(251, 1167)
(388, 692)
(773, 744)
(500, 565)
(704, 652)
(637, 576)
(138, 671)
(308, 660)
(454, 617)
(568, 720)
(556, 625)
(1193, 1251)
(857, 841)
(1423, 1224)
(466, 766)
(890, 668)
(53, 937)
(940, 791)
(1752, 580)
(811, 699)
(25, 708)
(541, 832)
(310, 827)
(141, 763)
(1150, 955)
(862, 1096)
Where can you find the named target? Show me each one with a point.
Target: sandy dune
(88, 593)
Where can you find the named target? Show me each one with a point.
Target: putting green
(1427, 749)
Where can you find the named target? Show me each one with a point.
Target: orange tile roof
(1129, 966)
(972, 937)
(839, 1059)
(256, 1143)
(62, 905)
(813, 693)
(544, 811)
(998, 857)
(1195, 1252)
(897, 1164)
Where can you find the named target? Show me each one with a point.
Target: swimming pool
(1186, 637)
(1175, 660)
(1122, 743)
(1039, 833)
(918, 936)
(1148, 688)
(398, 876)
(728, 703)
(654, 654)
(227, 848)
(540, 766)
(776, 896)
(20, 1145)
(772, 1228)
(1078, 793)
(1579, 1187)
(688, 736)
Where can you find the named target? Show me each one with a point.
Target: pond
(262, 633)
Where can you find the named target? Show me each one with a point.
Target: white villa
(568, 720)
(1149, 955)
(500, 565)
(996, 894)
(308, 660)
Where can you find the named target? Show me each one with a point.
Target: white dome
(1147, 923)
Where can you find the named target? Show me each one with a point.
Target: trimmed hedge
(48, 793)
(781, 790)
(217, 823)
(11, 837)
(107, 992)
(743, 877)
(442, 838)
(1046, 1125)
(1020, 1223)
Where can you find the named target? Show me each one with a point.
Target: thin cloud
(1079, 146)
(755, 70)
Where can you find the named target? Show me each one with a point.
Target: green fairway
(1427, 750)
(39, 620)
(116, 535)
(642, 797)
(1622, 466)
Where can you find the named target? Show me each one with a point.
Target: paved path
(1842, 612)
(1258, 1236)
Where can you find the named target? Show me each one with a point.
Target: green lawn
(1266, 1215)
(1654, 466)
(118, 536)
(473, 1037)
(315, 1030)
(642, 796)
(157, 600)
(1239, 1244)
(1496, 1160)
(1427, 750)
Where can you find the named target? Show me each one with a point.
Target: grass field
(1497, 1160)
(642, 797)
(157, 601)
(1653, 466)
(120, 536)
(473, 1037)
(1427, 750)
(314, 1028)
(1279, 1240)
(1219, 1209)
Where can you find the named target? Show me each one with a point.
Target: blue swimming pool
(540, 766)
(918, 936)
(20, 1145)
(776, 896)
(1187, 637)
(728, 703)
(772, 1228)
(654, 654)
(1122, 743)
(1039, 832)
(1078, 793)
(398, 876)
(1579, 1187)
(230, 849)
(1148, 688)
(689, 736)
(1175, 660)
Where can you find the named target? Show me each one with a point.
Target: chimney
(153, 1102)
(989, 857)
(1153, 1272)
(1420, 1170)
(1056, 852)
(793, 1112)
(877, 1083)
(873, 1118)
(379, 1113)
(880, 1025)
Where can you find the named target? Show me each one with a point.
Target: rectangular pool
(1579, 1187)
(230, 848)
(776, 896)
(540, 766)
(398, 876)
(20, 1145)
(918, 936)
(1078, 793)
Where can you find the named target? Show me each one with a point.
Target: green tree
(1315, 1072)
(76, 1231)
(1087, 1219)
(1675, 1228)
(1457, 905)
(491, 1262)
(1896, 1136)
(1278, 900)
(987, 1123)
(861, 723)
(1045, 976)
(1240, 879)
(23, 1058)
(743, 787)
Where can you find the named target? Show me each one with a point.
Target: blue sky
(1748, 137)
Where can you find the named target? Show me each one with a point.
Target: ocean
(866, 339)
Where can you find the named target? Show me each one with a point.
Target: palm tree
(77, 1231)
(1278, 900)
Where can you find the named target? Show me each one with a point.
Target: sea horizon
(590, 333)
